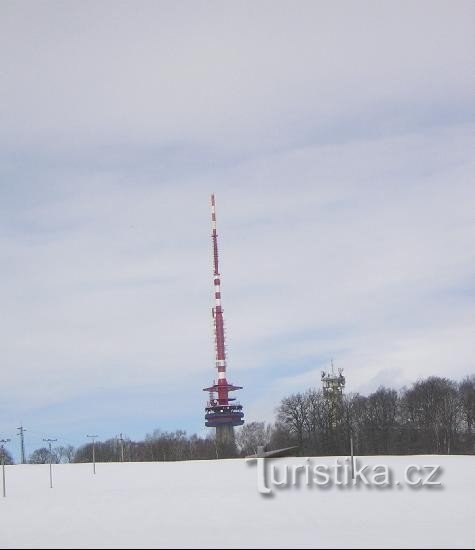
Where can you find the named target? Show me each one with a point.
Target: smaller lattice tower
(333, 383)
(333, 386)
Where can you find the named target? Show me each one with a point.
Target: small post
(352, 457)
(121, 439)
(49, 441)
(2, 442)
(93, 437)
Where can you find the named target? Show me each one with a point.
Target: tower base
(225, 434)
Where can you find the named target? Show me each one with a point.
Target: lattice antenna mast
(333, 383)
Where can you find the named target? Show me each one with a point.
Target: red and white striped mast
(218, 315)
(219, 412)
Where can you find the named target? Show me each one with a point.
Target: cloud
(239, 77)
(339, 144)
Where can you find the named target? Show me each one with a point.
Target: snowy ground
(214, 504)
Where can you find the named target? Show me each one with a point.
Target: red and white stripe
(218, 314)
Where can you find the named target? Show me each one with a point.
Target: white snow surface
(216, 504)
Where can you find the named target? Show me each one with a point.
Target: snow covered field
(210, 504)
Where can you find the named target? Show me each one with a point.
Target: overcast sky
(338, 139)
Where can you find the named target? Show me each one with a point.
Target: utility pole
(93, 437)
(22, 442)
(2, 443)
(49, 441)
(121, 439)
(352, 457)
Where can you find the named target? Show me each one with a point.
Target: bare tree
(292, 413)
(432, 410)
(253, 435)
(65, 454)
(6, 456)
(381, 413)
(42, 456)
(467, 398)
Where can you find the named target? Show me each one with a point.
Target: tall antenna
(220, 413)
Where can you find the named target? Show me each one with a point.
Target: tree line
(433, 416)
(157, 446)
